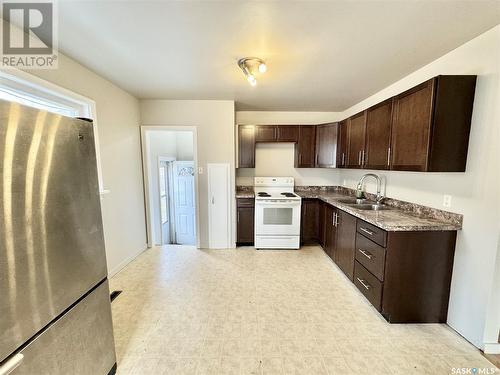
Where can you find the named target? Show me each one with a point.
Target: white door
(184, 202)
(218, 195)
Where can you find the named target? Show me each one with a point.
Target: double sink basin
(364, 204)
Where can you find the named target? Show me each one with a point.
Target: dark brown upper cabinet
(342, 144)
(305, 150)
(288, 133)
(356, 126)
(266, 133)
(326, 145)
(246, 146)
(378, 136)
(431, 125)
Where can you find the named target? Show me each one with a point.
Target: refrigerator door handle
(11, 364)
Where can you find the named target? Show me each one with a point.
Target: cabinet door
(342, 144)
(356, 140)
(288, 133)
(305, 152)
(266, 133)
(411, 128)
(345, 243)
(245, 225)
(321, 226)
(310, 221)
(378, 135)
(246, 146)
(330, 230)
(326, 145)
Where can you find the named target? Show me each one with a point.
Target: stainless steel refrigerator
(55, 313)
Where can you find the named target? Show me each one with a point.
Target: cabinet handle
(363, 157)
(369, 232)
(362, 282)
(389, 156)
(365, 253)
(11, 364)
(359, 157)
(316, 160)
(343, 158)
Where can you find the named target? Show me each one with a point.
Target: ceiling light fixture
(250, 66)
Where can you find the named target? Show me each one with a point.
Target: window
(24, 88)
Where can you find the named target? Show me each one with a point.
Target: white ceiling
(321, 56)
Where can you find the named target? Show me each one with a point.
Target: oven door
(277, 217)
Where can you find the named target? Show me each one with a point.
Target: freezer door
(79, 343)
(51, 238)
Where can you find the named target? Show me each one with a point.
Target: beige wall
(475, 193)
(277, 159)
(214, 120)
(117, 120)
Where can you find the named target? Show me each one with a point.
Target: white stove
(277, 213)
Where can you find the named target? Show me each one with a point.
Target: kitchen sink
(355, 201)
(373, 207)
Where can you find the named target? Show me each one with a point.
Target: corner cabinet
(309, 226)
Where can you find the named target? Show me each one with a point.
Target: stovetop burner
(288, 195)
(263, 194)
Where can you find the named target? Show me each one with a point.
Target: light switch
(446, 200)
(200, 170)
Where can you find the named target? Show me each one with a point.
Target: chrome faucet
(359, 190)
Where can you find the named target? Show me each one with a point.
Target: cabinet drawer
(372, 232)
(245, 202)
(370, 255)
(368, 284)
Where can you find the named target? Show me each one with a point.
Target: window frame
(48, 92)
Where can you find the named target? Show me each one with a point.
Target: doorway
(169, 161)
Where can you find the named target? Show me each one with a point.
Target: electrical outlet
(200, 170)
(446, 200)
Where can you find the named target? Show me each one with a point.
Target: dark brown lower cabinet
(245, 221)
(309, 226)
(346, 239)
(321, 225)
(330, 230)
(405, 275)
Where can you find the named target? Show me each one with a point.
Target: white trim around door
(146, 163)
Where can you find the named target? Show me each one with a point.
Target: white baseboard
(492, 348)
(126, 261)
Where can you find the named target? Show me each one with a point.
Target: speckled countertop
(244, 192)
(404, 216)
